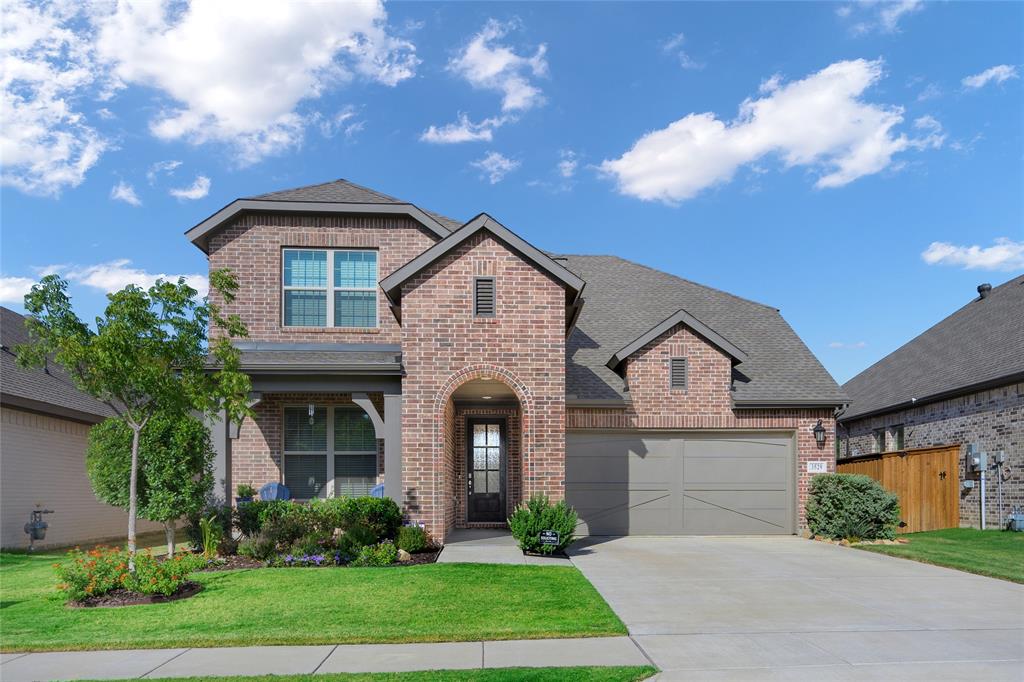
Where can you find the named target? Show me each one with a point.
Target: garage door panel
(673, 484)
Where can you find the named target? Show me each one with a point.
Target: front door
(486, 462)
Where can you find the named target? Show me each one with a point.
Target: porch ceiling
(484, 390)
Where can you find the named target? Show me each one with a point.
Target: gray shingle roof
(319, 357)
(981, 343)
(342, 191)
(48, 390)
(625, 299)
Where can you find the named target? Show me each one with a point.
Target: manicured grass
(595, 674)
(995, 553)
(430, 603)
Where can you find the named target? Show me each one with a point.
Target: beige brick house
(465, 370)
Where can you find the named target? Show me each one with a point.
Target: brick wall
(705, 405)
(444, 346)
(251, 248)
(993, 418)
(256, 453)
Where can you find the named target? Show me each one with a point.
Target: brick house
(465, 370)
(961, 382)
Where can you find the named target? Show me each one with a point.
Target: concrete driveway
(786, 608)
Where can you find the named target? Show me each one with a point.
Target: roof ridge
(332, 182)
(683, 279)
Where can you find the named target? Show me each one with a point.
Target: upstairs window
(484, 297)
(677, 374)
(329, 288)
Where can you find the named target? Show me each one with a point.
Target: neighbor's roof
(319, 358)
(337, 196)
(625, 300)
(49, 390)
(982, 344)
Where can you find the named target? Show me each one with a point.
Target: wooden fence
(927, 481)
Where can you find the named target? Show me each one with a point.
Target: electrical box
(1000, 457)
(968, 484)
(977, 461)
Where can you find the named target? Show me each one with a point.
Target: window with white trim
(329, 451)
(329, 288)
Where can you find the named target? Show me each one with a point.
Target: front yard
(994, 553)
(429, 603)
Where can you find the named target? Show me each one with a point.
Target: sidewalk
(345, 658)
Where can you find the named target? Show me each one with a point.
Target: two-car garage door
(642, 483)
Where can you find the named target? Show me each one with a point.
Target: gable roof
(48, 390)
(981, 344)
(626, 301)
(336, 196)
(392, 284)
(679, 317)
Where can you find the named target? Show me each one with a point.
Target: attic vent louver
(483, 297)
(677, 374)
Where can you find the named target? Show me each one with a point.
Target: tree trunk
(169, 534)
(132, 495)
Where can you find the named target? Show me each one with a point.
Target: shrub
(260, 548)
(104, 569)
(211, 535)
(412, 539)
(383, 554)
(353, 540)
(538, 514)
(245, 490)
(314, 543)
(380, 514)
(851, 506)
(222, 514)
(283, 531)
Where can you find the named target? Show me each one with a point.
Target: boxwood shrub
(538, 514)
(851, 506)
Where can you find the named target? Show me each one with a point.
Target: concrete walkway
(292, 660)
(490, 546)
(785, 608)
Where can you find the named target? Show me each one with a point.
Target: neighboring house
(959, 383)
(44, 426)
(466, 370)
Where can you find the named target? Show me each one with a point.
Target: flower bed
(87, 576)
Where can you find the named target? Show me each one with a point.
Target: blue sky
(859, 166)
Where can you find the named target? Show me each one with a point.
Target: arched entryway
(485, 444)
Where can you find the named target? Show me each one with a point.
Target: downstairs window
(329, 451)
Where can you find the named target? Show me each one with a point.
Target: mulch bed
(232, 562)
(428, 557)
(116, 598)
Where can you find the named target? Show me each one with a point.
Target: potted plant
(245, 493)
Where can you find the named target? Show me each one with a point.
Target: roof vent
(984, 289)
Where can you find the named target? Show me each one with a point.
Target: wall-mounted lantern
(819, 434)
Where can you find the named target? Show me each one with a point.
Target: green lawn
(595, 674)
(430, 603)
(995, 553)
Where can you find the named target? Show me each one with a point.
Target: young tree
(148, 354)
(175, 467)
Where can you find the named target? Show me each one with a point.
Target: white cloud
(854, 345)
(46, 143)
(345, 121)
(820, 122)
(871, 16)
(117, 274)
(489, 65)
(1005, 254)
(568, 164)
(930, 91)
(13, 289)
(464, 130)
(236, 71)
(674, 46)
(161, 168)
(123, 191)
(495, 166)
(199, 188)
(997, 74)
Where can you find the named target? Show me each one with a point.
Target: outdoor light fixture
(311, 414)
(819, 434)
(486, 397)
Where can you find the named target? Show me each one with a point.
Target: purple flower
(289, 559)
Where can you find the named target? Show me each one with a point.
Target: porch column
(393, 447)
(219, 433)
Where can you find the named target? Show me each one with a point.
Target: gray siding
(42, 461)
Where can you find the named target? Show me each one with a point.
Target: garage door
(680, 484)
